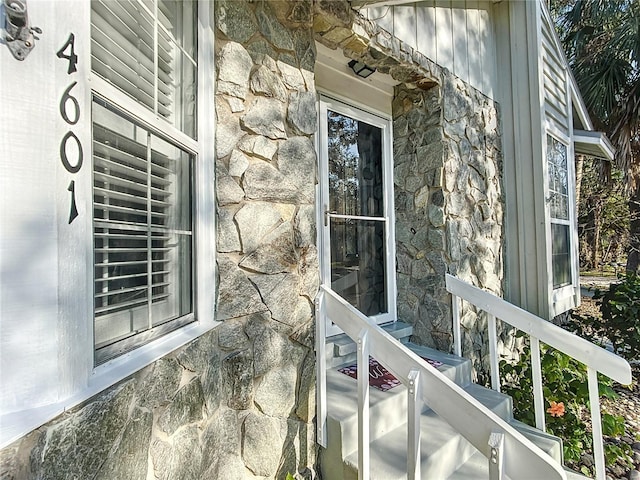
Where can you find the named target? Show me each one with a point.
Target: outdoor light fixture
(361, 69)
(15, 30)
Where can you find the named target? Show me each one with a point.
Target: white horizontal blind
(148, 50)
(142, 233)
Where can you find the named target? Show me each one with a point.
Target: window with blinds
(147, 49)
(142, 178)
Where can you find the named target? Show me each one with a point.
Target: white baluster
(536, 378)
(413, 423)
(363, 405)
(321, 370)
(596, 423)
(455, 313)
(493, 353)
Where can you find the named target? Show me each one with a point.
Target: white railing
(508, 452)
(596, 359)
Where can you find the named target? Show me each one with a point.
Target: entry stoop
(445, 454)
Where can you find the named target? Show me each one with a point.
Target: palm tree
(602, 42)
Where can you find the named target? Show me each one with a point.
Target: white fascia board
(595, 144)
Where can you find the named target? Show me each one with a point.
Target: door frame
(384, 122)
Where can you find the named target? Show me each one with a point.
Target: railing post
(363, 405)
(493, 352)
(536, 378)
(496, 455)
(596, 423)
(455, 313)
(321, 371)
(413, 425)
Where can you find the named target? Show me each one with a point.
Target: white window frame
(72, 335)
(561, 298)
(338, 104)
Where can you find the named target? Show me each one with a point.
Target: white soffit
(333, 75)
(594, 144)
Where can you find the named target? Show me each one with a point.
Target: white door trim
(385, 124)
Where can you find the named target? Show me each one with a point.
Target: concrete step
(443, 449)
(341, 349)
(444, 453)
(546, 442)
(387, 409)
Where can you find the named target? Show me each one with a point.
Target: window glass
(559, 206)
(148, 51)
(142, 232)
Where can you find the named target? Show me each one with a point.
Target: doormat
(380, 377)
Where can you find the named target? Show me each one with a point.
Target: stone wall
(449, 209)
(447, 183)
(238, 402)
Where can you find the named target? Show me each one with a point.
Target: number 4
(71, 56)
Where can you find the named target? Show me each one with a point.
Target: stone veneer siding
(238, 402)
(447, 184)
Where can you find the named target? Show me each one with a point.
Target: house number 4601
(70, 113)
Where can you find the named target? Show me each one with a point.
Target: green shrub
(564, 381)
(620, 318)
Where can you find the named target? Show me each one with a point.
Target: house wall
(449, 210)
(448, 191)
(456, 34)
(238, 402)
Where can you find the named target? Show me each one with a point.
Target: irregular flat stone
(227, 136)
(235, 19)
(161, 383)
(278, 35)
(265, 117)
(276, 394)
(186, 407)
(228, 191)
(234, 67)
(259, 181)
(237, 296)
(238, 163)
(231, 335)
(291, 76)
(227, 238)
(130, 458)
(301, 113)
(280, 294)
(261, 444)
(276, 254)
(267, 83)
(255, 220)
(239, 373)
(297, 161)
(79, 444)
(169, 460)
(258, 146)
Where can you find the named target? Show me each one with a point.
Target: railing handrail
(451, 402)
(593, 356)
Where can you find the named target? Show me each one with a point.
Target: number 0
(63, 153)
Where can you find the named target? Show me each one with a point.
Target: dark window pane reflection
(355, 166)
(357, 264)
(561, 252)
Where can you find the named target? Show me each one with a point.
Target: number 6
(66, 96)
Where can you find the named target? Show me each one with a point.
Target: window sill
(14, 425)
